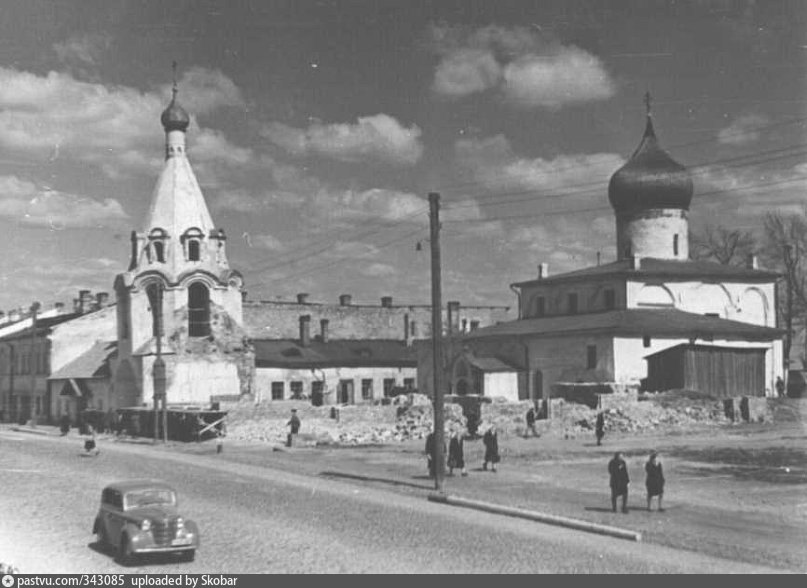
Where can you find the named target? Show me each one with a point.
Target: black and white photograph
(402, 287)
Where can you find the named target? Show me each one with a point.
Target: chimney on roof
(84, 301)
(345, 299)
(407, 330)
(13, 315)
(305, 330)
(453, 318)
(543, 271)
(302, 298)
(598, 258)
(635, 262)
(102, 299)
(323, 329)
(474, 325)
(59, 307)
(386, 302)
(752, 262)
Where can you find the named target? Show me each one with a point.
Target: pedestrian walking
(294, 427)
(456, 453)
(90, 446)
(491, 442)
(655, 480)
(780, 387)
(64, 425)
(620, 480)
(531, 418)
(599, 429)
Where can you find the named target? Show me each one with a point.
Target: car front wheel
(189, 555)
(100, 535)
(126, 555)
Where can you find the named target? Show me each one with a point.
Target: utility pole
(32, 359)
(437, 341)
(158, 371)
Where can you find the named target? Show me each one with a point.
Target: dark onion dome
(174, 118)
(650, 179)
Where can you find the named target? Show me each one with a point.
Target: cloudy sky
(319, 128)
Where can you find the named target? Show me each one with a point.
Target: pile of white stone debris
(410, 417)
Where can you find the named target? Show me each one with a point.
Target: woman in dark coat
(655, 480)
(620, 480)
(456, 453)
(491, 441)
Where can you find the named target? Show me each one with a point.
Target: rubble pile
(407, 417)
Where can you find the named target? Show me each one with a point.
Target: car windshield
(150, 497)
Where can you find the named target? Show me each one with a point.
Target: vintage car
(139, 517)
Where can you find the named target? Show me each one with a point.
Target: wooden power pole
(437, 341)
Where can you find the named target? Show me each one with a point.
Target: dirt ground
(735, 491)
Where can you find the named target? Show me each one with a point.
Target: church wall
(502, 385)
(630, 365)
(565, 359)
(651, 233)
(191, 380)
(744, 302)
(331, 377)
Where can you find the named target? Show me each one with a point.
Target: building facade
(599, 325)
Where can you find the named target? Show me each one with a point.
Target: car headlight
(180, 523)
(145, 525)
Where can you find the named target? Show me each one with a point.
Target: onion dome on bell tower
(175, 118)
(650, 196)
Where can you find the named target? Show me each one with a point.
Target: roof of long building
(290, 353)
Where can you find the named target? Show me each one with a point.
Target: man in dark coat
(618, 470)
(294, 423)
(599, 430)
(780, 387)
(456, 453)
(531, 423)
(491, 442)
(655, 480)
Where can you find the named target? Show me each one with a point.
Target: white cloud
(267, 241)
(743, 130)
(29, 204)
(466, 71)
(203, 90)
(378, 270)
(114, 127)
(526, 67)
(82, 50)
(372, 138)
(376, 203)
(575, 177)
(566, 77)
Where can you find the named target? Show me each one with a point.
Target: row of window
(572, 306)
(24, 363)
(345, 389)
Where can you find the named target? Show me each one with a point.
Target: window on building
(159, 251)
(572, 302)
(540, 306)
(296, 389)
(591, 357)
(277, 390)
(38, 405)
(646, 340)
(198, 310)
(124, 315)
(675, 244)
(155, 296)
(409, 383)
(367, 389)
(610, 299)
(193, 250)
(389, 384)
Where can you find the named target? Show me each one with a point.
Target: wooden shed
(718, 371)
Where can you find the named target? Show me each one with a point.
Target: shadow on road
(343, 475)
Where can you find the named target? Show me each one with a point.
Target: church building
(179, 301)
(653, 318)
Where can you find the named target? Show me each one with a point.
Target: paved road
(260, 520)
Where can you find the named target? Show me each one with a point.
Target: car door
(113, 513)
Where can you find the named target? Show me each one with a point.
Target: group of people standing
(620, 481)
(456, 451)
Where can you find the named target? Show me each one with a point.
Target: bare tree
(785, 249)
(723, 245)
